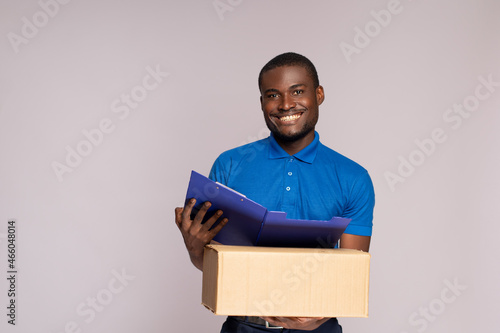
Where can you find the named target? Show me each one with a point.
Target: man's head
(291, 59)
(290, 97)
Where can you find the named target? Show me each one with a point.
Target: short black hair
(291, 59)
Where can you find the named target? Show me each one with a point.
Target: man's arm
(349, 241)
(195, 233)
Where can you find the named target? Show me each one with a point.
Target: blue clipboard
(252, 224)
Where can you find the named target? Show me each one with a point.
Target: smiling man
(290, 98)
(290, 171)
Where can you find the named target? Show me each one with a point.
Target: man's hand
(195, 233)
(297, 323)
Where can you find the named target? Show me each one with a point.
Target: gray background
(114, 211)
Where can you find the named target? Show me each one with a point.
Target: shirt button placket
(289, 183)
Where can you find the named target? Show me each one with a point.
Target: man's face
(290, 102)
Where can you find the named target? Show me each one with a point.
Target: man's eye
(298, 92)
(272, 95)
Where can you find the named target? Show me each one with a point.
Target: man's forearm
(197, 260)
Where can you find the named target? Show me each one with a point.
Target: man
(289, 171)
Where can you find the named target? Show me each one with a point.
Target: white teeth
(290, 118)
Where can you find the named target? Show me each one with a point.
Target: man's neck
(295, 146)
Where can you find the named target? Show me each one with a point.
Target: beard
(293, 137)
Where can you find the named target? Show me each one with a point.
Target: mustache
(289, 112)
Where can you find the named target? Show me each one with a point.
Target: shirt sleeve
(360, 206)
(218, 172)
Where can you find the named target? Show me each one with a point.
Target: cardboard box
(258, 281)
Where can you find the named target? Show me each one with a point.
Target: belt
(256, 321)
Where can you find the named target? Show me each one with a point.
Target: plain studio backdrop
(106, 107)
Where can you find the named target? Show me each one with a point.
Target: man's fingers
(185, 222)
(186, 212)
(303, 323)
(218, 227)
(273, 321)
(210, 222)
(178, 216)
(201, 213)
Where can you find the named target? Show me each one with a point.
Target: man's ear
(320, 95)
(261, 106)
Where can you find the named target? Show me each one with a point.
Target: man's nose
(287, 103)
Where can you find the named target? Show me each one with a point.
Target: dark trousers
(236, 326)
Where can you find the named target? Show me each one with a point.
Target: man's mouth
(290, 117)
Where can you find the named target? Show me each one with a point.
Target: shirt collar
(305, 155)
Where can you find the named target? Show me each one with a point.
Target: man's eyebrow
(267, 91)
(274, 90)
(297, 85)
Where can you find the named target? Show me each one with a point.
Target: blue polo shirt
(316, 183)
